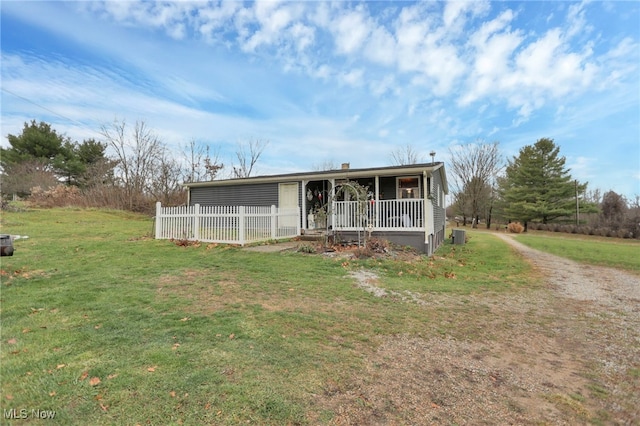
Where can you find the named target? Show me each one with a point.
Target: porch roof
(331, 174)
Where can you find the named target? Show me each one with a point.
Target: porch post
(425, 201)
(332, 206)
(376, 204)
(305, 224)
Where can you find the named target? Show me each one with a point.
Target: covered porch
(388, 203)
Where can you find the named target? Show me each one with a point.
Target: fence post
(158, 220)
(196, 222)
(274, 221)
(241, 224)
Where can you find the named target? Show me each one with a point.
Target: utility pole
(577, 204)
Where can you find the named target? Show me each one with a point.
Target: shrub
(58, 196)
(362, 253)
(515, 228)
(585, 230)
(377, 245)
(622, 233)
(306, 248)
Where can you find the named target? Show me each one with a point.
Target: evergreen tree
(38, 141)
(538, 186)
(39, 156)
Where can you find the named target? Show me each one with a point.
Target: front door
(288, 198)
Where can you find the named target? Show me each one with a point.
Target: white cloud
(424, 52)
(381, 47)
(272, 20)
(352, 78)
(211, 18)
(455, 10)
(351, 29)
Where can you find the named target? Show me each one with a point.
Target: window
(408, 187)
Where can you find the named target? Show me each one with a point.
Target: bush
(585, 230)
(307, 248)
(515, 228)
(58, 196)
(362, 253)
(378, 245)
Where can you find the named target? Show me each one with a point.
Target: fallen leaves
(12, 341)
(152, 369)
(94, 381)
(185, 243)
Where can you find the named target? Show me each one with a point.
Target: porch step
(312, 235)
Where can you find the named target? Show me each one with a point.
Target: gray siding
(264, 194)
(438, 207)
(439, 213)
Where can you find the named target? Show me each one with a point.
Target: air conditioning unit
(459, 236)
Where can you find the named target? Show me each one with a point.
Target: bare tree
(405, 155)
(326, 165)
(474, 168)
(200, 165)
(139, 152)
(248, 156)
(166, 180)
(19, 178)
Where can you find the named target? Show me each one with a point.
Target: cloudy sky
(333, 82)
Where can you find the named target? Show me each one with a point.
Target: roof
(331, 174)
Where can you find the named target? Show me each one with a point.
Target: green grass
(105, 325)
(483, 263)
(617, 253)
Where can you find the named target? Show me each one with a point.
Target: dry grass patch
(206, 292)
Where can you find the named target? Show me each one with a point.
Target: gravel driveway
(565, 354)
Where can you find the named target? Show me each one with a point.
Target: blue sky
(336, 82)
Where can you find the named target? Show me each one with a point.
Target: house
(404, 204)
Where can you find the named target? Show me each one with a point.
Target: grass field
(103, 324)
(615, 252)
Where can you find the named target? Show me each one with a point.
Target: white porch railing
(388, 215)
(226, 224)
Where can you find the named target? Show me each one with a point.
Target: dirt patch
(206, 292)
(568, 354)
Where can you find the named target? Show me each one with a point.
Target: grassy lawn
(103, 324)
(613, 252)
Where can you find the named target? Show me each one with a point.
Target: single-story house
(404, 204)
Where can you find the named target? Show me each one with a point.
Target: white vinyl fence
(226, 224)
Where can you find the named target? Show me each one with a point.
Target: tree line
(129, 168)
(536, 189)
